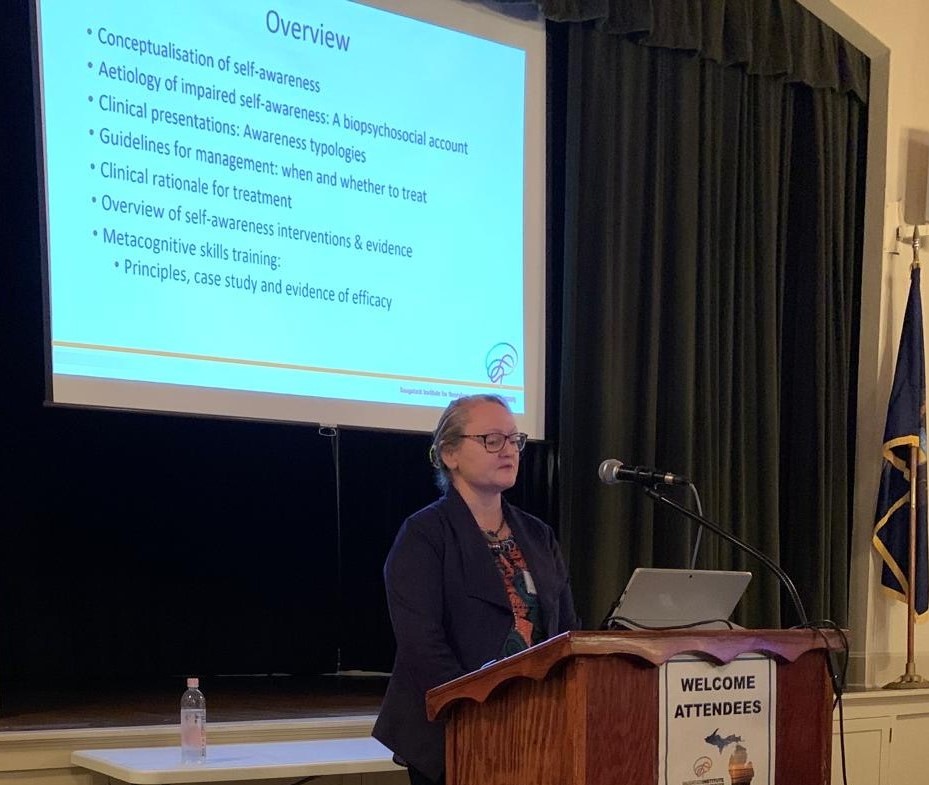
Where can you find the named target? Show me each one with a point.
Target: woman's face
(471, 466)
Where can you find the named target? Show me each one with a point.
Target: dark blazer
(451, 614)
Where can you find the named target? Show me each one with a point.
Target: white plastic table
(231, 762)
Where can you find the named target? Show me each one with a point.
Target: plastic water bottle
(193, 724)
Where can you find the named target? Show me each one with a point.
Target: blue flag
(905, 428)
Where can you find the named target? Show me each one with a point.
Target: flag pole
(911, 680)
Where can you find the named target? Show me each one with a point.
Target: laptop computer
(659, 598)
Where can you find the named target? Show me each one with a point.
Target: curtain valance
(767, 37)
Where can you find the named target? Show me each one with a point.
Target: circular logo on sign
(702, 765)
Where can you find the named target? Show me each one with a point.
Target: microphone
(613, 471)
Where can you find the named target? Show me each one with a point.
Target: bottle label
(193, 735)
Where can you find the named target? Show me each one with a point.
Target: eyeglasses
(493, 442)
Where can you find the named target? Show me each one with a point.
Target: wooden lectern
(582, 708)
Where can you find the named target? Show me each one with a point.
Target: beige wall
(892, 35)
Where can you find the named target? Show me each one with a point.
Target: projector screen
(327, 212)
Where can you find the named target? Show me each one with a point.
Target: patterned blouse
(527, 622)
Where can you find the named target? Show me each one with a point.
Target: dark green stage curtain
(713, 223)
(766, 37)
(519, 9)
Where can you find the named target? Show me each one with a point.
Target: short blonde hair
(450, 429)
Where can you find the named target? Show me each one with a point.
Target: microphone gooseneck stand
(837, 674)
(767, 561)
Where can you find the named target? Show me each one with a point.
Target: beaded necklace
(494, 535)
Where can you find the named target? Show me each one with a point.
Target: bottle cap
(193, 683)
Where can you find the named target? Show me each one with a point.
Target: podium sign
(716, 723)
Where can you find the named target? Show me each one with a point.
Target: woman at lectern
(470, 578)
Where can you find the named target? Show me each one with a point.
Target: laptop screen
(660, 598)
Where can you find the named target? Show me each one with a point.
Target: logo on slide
(501, 361)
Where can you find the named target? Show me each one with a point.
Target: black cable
(605, 624)
(608, 624)
(696, 494)
(841, 705)
(838, 680)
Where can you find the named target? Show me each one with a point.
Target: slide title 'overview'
(314, 34)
